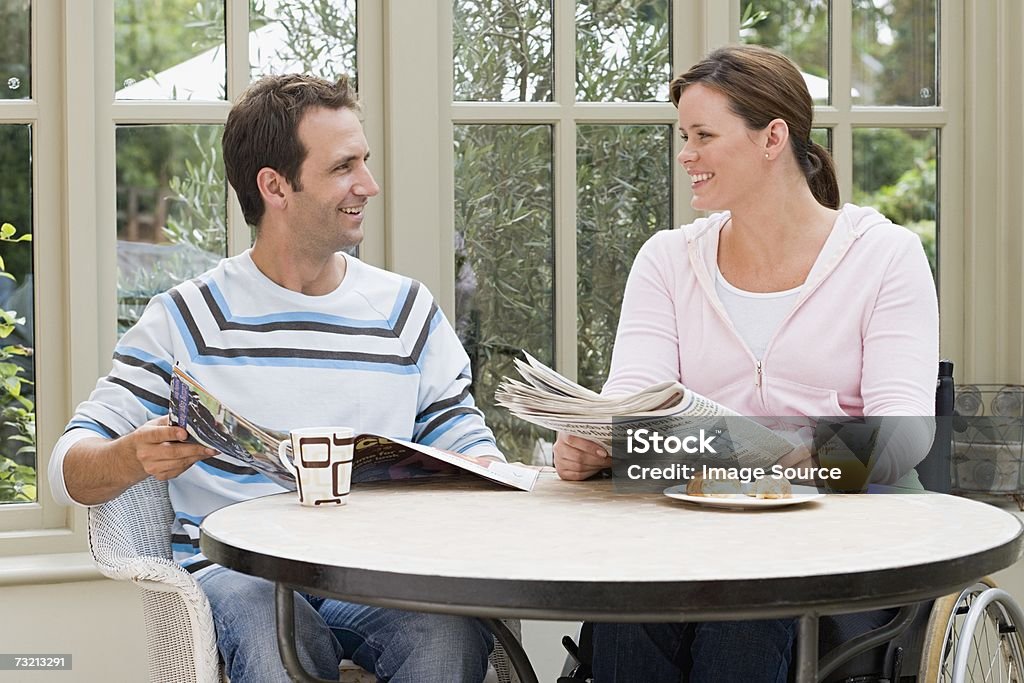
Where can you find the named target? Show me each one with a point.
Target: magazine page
(216, 426)
(379, 458)
(375, 458)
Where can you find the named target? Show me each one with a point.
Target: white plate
(801, 494)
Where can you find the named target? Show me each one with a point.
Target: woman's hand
(577, 458)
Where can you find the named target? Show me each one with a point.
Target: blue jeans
(394, 645)
(718, 651)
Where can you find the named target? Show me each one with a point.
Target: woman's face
(724, 159)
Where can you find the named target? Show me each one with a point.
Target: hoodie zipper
(702, 275)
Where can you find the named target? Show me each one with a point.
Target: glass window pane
(169, 50)
(797, 28)
(15, 50)
(624, 190)
(822, 136)
(622, 50)
(502, 50)
(171, 210)
(504, 289)
(17, 332)
(895, 52)
(894, 170)
(302, 37)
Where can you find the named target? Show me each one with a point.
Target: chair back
(130, 540)
(135, 524)
(934, 471)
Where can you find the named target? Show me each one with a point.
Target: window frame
(564, 113)
(404, 58)
(697, 27)
(43, 111)
(841, 117)
(75, 115)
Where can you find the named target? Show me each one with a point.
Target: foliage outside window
(17, 369)
(503, 185)
(894, 171)
(894, 63)
(17, 404)
(316, 37)
(503, 51)
(15, 50)
(153, 36)
(624, 191)
(622, 50)
(171, 210)
(171, 187)
(504, 260)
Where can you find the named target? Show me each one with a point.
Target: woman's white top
(755, 315)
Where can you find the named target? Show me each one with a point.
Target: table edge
(643, 601)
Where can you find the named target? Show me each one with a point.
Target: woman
(782, 304)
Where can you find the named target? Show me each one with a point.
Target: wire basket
(988, 439)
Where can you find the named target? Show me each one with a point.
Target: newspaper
(375, 457)
(548, 399)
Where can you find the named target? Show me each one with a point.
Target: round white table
(582, 551)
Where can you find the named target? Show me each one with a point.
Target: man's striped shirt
(376, 354)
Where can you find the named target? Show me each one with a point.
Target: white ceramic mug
(323, 464)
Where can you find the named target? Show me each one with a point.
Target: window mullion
(564, 152)
(686, 42)
(236, 46)
(47, 218)
(411, 187)
(106, 193)
(952, 165)
(168, 112)
(841, 78)
(564, 194)
(446, 156)
(371, 79)
(721, 26)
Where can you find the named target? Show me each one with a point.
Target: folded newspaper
(375, 457)
(550, 400)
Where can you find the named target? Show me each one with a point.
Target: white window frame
(74, 238)
(44, 112)
(842, 117)
(404, 57)
(697, 27)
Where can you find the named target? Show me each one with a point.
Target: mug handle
(281, 448)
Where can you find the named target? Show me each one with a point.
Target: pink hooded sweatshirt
(862, 338)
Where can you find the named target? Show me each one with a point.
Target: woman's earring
(766, 155)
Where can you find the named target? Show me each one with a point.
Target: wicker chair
(130, 540)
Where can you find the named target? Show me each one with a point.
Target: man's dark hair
(262, 130)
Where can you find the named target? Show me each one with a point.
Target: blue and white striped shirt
(376, 354)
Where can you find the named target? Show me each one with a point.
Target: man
(292, 333)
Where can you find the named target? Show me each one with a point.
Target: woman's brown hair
(763, 85)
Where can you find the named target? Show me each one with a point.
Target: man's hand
(577, 458)
(97, 470)
(161, 450)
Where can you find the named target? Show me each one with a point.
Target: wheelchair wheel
(973, 636)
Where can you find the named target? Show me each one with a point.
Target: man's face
(327, 213)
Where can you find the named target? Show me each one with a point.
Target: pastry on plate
(771, 487)
(718, 486)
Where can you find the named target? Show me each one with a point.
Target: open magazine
(550, 400)
(375, 457)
